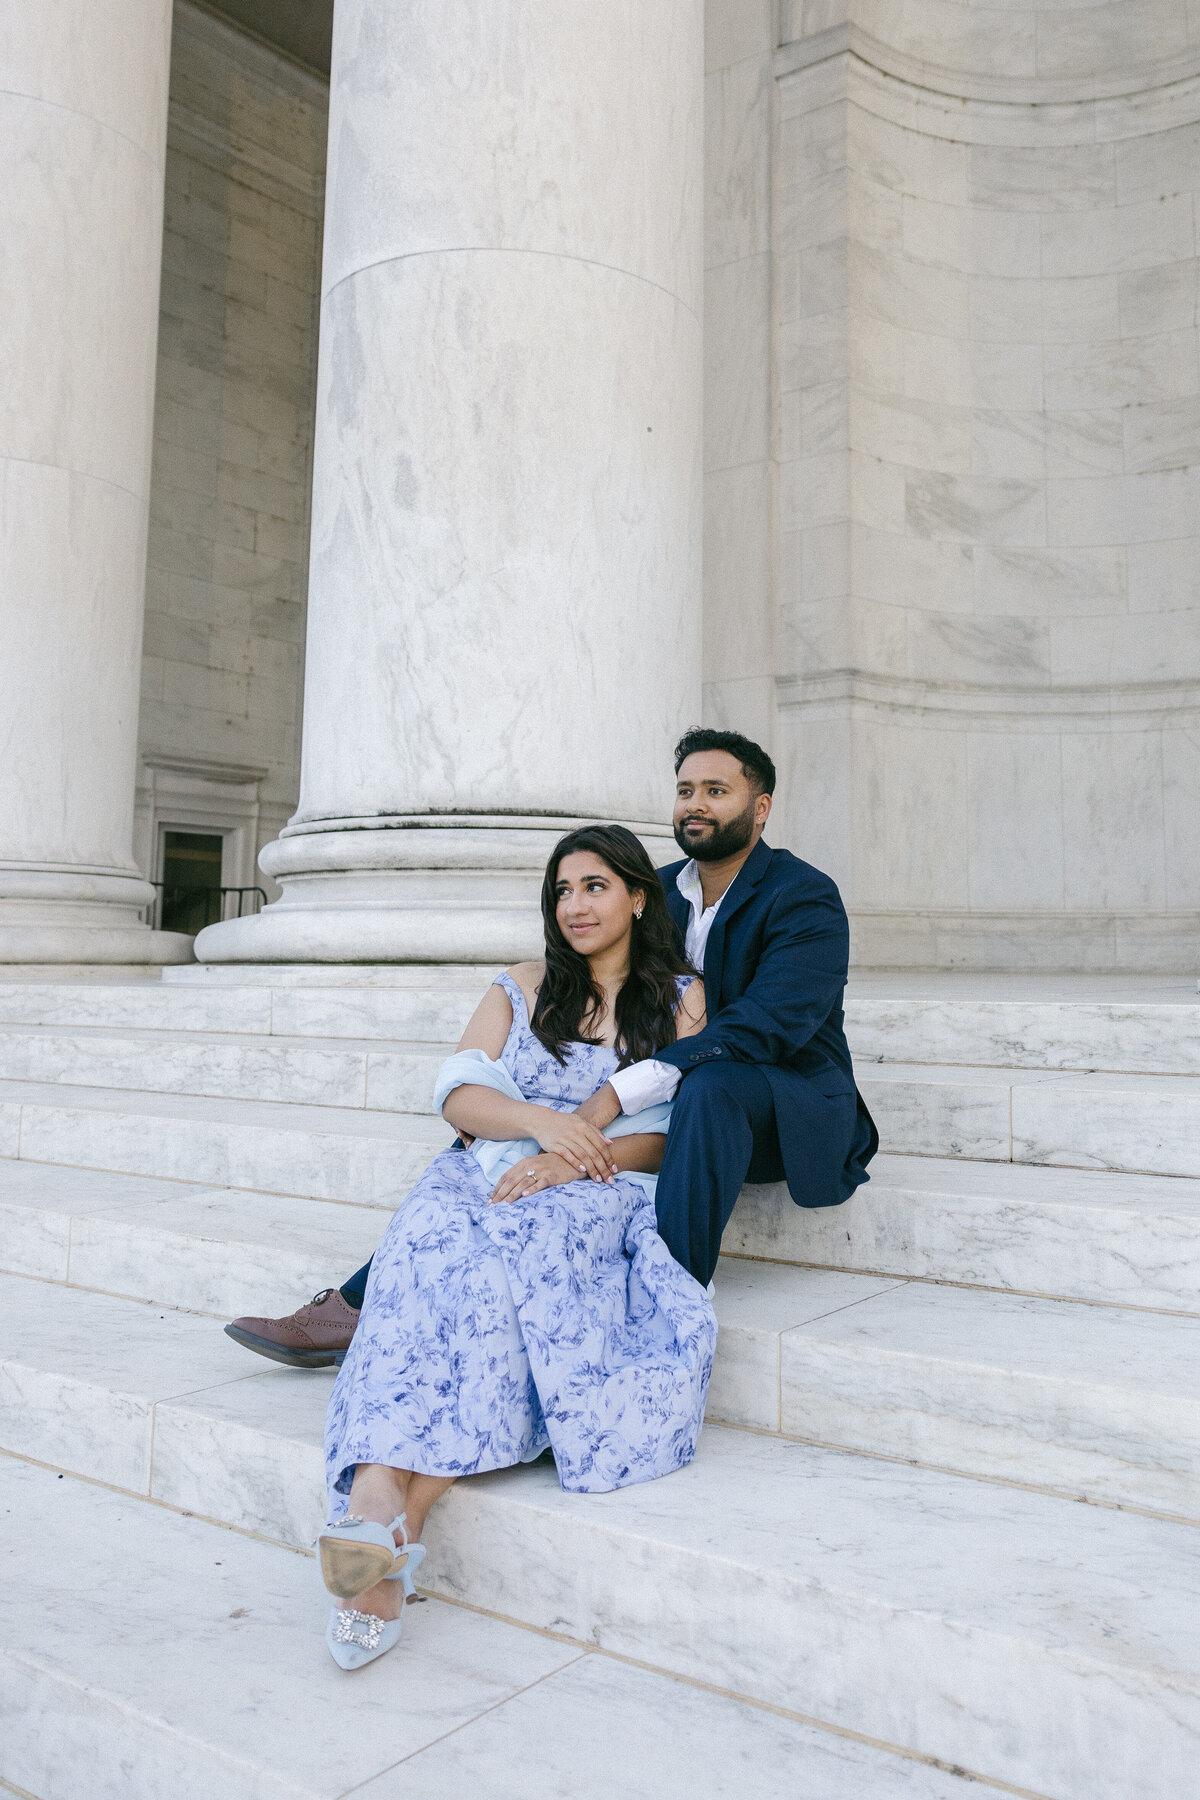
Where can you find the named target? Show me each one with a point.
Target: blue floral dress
(491, 1332)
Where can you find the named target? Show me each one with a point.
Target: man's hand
(602, 1108)
(531, 1175)
(577, 1141)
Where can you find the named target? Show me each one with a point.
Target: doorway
(191, 881)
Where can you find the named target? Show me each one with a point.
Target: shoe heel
(349, 1569)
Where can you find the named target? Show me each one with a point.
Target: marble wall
(952, 453)
(988, 430)
(739, 453)
(224, 631)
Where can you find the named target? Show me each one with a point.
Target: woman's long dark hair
(568, 1001)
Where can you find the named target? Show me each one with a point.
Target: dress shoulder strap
(515, 993)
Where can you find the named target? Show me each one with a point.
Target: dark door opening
(191, 881)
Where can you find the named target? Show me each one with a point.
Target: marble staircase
(946, 1502)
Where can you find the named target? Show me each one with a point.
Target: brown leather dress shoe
(315, 1337)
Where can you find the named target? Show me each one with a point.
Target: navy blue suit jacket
(774, 970)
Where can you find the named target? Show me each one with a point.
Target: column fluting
(504, 629)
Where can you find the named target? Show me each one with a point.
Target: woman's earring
(637, 912)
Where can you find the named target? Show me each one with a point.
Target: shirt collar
(688, 883)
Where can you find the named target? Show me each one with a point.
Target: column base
(412, 891)
(59, 917)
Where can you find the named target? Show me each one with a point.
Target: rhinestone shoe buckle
(344, 1632)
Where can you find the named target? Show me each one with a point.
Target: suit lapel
(742, 887)
(677, 906)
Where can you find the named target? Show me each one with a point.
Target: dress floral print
(560, 1320)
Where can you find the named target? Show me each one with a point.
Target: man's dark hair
(757, 766)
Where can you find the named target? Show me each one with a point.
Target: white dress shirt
(648, 1083)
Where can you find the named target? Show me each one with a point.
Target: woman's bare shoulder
(692, 1013)
(528, 977)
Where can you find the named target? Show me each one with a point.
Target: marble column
(503, 632)
(83, 109)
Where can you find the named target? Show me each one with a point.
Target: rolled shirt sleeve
(644, 1084)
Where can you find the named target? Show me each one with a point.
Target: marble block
(114, 1697)
(428, 1015)
(10, 1128)
(251, 1455)
(328, 1153)
(40, 1203)
(756, 1304)
(110, 1701)
(1050, 1646)
(559, 1734)
(1129, 1239)
(80, 1375)
(142, 1005)
(225, 1065)
(1148, 1123)
(224, 1252)
(931, 1111)
(1027, 1033)
(1095, 1402)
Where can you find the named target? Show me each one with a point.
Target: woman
(522, 1298)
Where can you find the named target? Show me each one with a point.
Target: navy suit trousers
(722, 1133)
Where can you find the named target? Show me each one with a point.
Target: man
(765, 1092)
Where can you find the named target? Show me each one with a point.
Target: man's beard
(722, 841)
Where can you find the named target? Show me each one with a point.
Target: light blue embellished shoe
(355, 1554)
(356, 1638)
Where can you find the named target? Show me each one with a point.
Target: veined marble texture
(332, 1153)
(985, 1626)
(98, 1417)
(1089, 1400)
(507, 450)
(454, 1710)
(1153, 1039)
(83, 113)
(219, 1251)
(1130, 1240)
(507, 462)
(420, 104)
(843, 1593)
(987, 668)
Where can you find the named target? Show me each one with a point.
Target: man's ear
(762, 810)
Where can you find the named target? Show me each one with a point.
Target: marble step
(110, 1698)
(323, 1152)
(1084, 1400)
(431, 1005)
(1132, 1123)
(1145, 1024)
(363, 1073)
(1008, 1633)
(1129, 1240)
(1140, 1124)
(1138, 1025)
(220, 1251)
(1092, 1402)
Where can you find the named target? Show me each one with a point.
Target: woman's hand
(531, 1175)
(579, 1143)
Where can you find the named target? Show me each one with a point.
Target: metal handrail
(153, 913)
